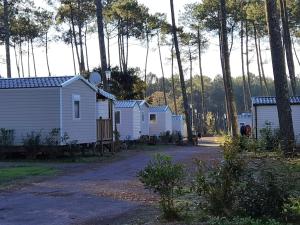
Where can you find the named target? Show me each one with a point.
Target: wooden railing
(104, 130)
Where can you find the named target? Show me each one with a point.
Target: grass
(11, 174)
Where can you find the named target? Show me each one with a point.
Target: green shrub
(53, 138)
(33, 139)
(270, 138)
(6, 137)
(292, 209)
(241, 221)
(261, 194)
(165, 178)
(216, 185)
(165, 137)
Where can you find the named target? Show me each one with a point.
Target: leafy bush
(177, 138)
(144, 139)
(237, 187)
(165, 178)
(33, 139)
(270, 138)
(53, 138)
(261, 194)
(241, 221)
(6, 137)
(292, 209)
(165, 137)
(217, 185)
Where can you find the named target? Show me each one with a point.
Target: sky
(60, 55)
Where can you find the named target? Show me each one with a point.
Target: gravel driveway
(102, 191)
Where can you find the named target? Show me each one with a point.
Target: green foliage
(53, 138)
(217, 185)
(165, 137)
(33, 139)
(292, 209)
(236, 187)
(165, 178)
(241, 221)
(6, 137)
(270, 139)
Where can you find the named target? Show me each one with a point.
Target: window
(117, 117)
(143, 116)
(76, 107)
(153, 118)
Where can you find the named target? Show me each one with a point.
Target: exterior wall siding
(159, 126)
(136, 125)
(102, 109)
(145, 123)
(82, 130)
(126, 120)
(168, 118)
(27, 110)
(270, 114)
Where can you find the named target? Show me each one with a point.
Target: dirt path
(101, 191)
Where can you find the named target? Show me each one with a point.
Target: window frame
(155, 121)
(76, 98)
(117, 111)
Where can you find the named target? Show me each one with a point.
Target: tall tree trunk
(28, 57)
(295, 52)
(86, 49)
(227, 75)
(280, 79)
(73, 54)
(33, 58)
(7, 37)
(191, 83)
(262, 67)
(21, 58)
(247, 57)
(228, 119)
(47, 57)
(173, 81)
(80, 36)
(74, 36)
(101, 39)
(16, 59)
(182, 82)
(108, 48)
(146, 62)
(245, 89)
(162, 69)
(288, 45)
(203, 105)
(258, 63)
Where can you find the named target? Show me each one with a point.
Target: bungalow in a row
(70, 103)
(264, 111)
(160, 120)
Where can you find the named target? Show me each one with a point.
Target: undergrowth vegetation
(242, 189)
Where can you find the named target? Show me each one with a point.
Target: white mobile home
(42, 104)
(144, 110)
(264, 111)
(45, 103)
(160, 118)
(244, 119)
(179, 125)
(128, 119)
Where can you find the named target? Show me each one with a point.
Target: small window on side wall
(76, 107)
(152, 118)
(117, 117)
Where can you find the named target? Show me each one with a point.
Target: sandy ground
(92, 192)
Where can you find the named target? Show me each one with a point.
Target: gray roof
(107, 95)
(33, 82)
(272, 100)
(162, 108)
(126, 103)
